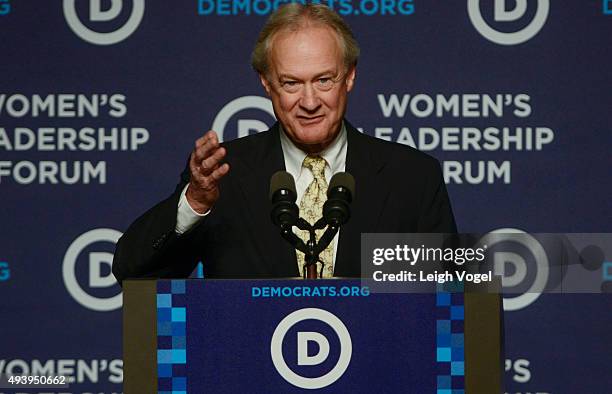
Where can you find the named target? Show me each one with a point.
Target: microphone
(285, 213)
(340, 193)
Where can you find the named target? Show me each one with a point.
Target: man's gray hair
(296, 16)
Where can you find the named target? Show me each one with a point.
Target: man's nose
(309, 100)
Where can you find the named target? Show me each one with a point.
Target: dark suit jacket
(398, 189)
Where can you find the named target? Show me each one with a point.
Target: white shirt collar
(334, 154)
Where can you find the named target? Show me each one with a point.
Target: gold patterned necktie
(311, 209)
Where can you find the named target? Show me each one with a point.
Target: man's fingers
(211, 181)
(220, 172)
(202, 168)
(207, 171)
(207, 136)
(200, 141)
(194, 164)
(205, 150)
(209, 164)
(212, 135)
(208, 147)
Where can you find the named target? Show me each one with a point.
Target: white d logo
(96, 259)
(245, 126)
(503, 15)
(96, 14)
(520, 267)
(276, 348)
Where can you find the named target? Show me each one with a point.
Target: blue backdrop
(100, 102)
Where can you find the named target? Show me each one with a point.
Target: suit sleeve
(150, 248)
(436, 215)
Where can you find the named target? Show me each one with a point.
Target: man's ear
(265, 84)
(350, 78)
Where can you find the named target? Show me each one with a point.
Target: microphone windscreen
(342, 179)
(282, 180)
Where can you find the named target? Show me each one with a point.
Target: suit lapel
(364, 164)
(265, 159)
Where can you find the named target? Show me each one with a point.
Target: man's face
(308, 85)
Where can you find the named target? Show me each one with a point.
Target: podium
(278, 336)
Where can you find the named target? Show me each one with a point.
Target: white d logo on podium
(502, 14)
(303, 337)
(97, 14)
(95, 262)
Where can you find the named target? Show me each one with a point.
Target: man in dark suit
(219, 213)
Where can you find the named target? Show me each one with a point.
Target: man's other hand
(206, 171)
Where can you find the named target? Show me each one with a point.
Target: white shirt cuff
(186, 217)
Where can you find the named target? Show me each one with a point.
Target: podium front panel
(288, 336)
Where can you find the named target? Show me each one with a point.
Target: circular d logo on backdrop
(245, 126)
(95, 278)
(97, 14)
(502, 14)
(303, 337)
(520, 267)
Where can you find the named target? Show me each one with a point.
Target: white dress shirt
(335, 159)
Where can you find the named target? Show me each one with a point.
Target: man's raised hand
(206, 171)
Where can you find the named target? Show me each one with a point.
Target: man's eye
(325, 83)
(289, 83)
